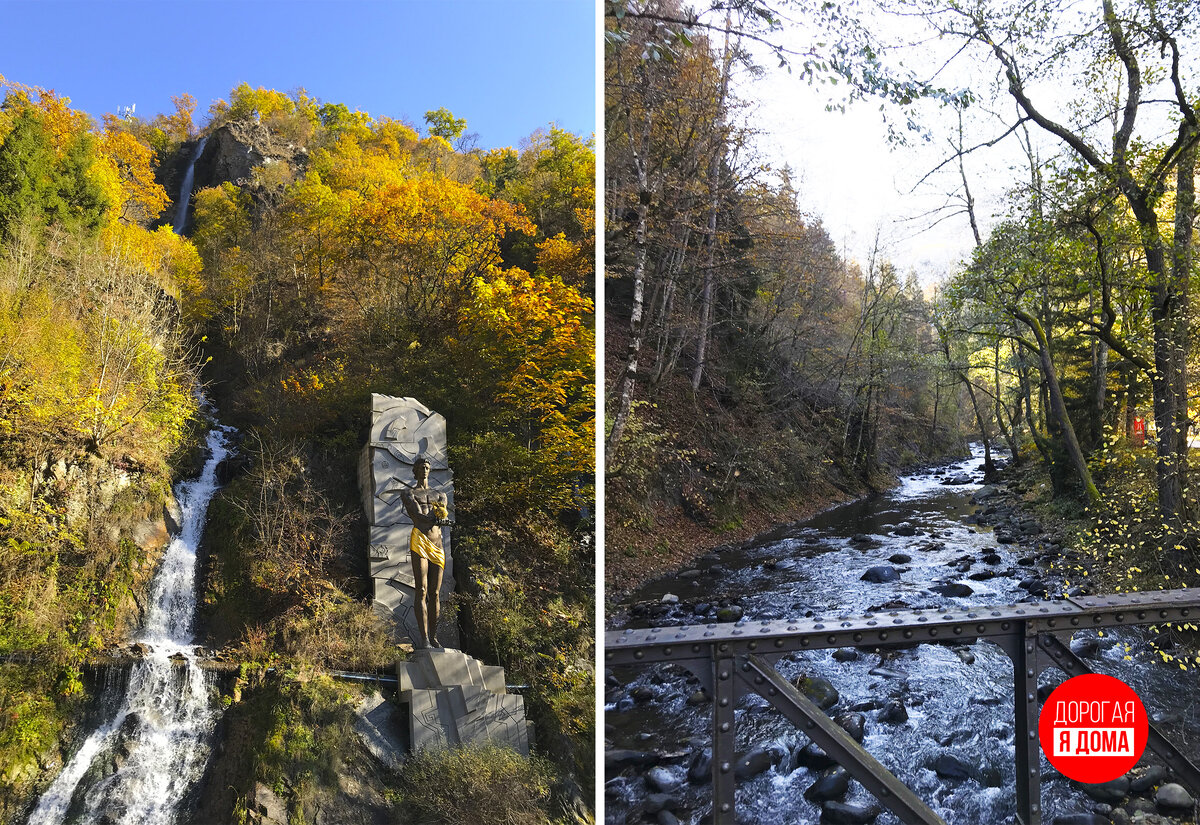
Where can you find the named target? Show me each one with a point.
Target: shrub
(478, 784)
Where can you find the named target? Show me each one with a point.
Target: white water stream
(159, 739)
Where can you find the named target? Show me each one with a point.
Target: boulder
(1144, 779)
(733, 613)
(881, 574)
(985, 492)
(905, 529)
(900, 558)
(831, 784)
(1173, 798)
(700, 767)
(819, 689)
(893, 713)
(1109, 792)
(952, 589)
(814, 757)
(848, 813)
(662, 780)
(949, 766)
(853, 723)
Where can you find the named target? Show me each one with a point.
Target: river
(958, 701)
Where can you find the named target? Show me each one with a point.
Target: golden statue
(427, 509)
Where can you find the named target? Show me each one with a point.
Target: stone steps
(454, 699)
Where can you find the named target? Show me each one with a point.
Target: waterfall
(158, 741)
(185, 190)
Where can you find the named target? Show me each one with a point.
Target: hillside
(327, 255)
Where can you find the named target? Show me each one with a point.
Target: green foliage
(445, 125)
(37, 185)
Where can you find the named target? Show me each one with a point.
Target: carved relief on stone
(402, 430)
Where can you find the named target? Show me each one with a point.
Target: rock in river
(662, 780)
(953, 589)
(819, 689)
(1172, 798)
(893, 713)
(848, 813)
(831, 784)
(949, 766)
(880, 574)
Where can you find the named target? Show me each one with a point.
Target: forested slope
(753, 373)
(1066, 335)
(331, 255)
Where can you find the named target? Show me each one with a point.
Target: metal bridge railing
(733, 659)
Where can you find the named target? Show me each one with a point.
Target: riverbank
(936, 715)
(673, 541)
(666, 539)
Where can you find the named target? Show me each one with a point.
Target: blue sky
(507, 66)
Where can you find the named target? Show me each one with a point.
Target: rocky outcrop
(236, 148)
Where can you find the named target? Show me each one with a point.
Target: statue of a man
(427, 509)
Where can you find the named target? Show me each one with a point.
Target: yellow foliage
(126, 169)
(532, 332)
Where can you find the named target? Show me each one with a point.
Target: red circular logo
(1093, 728)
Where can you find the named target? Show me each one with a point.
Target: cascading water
(958, 702)
(185, 189)
(159, 738)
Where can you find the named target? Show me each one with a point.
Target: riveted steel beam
(1022, 630)
(1176, 762)
(757, 675)
(958, 626)
(724, 752)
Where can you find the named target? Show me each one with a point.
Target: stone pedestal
(453, 699)
(403, 429)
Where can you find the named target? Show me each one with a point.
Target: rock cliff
(236, 148)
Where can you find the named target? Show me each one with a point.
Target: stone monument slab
(403, 430)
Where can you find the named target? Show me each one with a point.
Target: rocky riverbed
(940, 717)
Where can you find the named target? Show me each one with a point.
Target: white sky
(850, 176)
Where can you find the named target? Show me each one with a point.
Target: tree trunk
(1057, 406)
(714, 193)
(641, 150)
